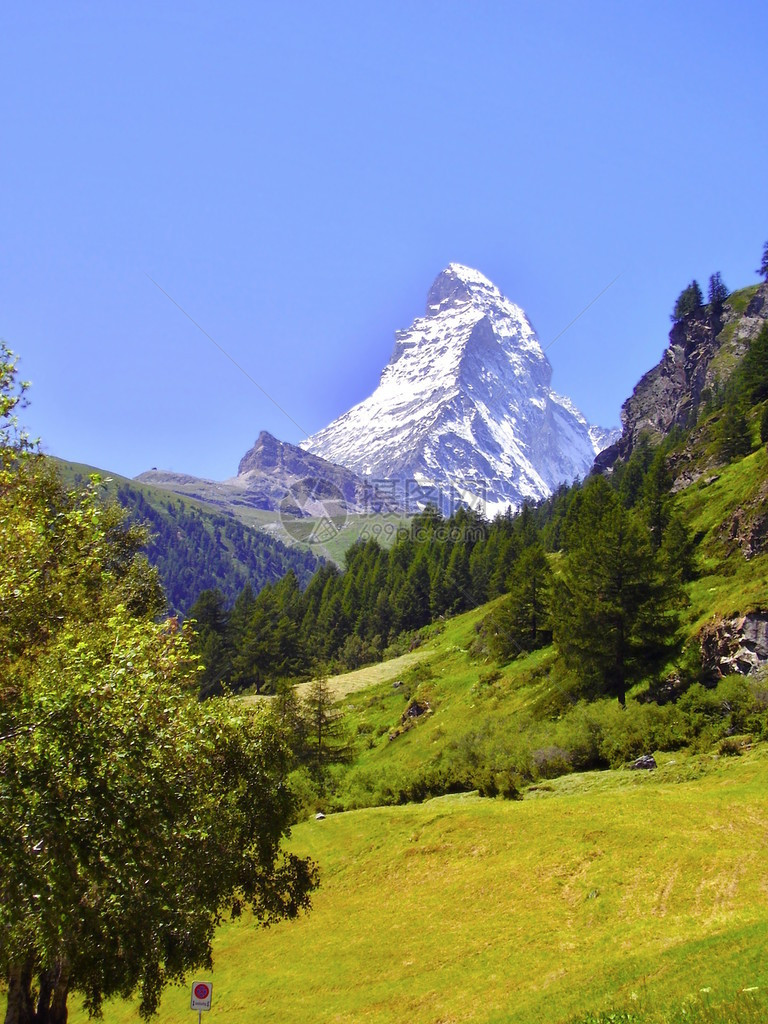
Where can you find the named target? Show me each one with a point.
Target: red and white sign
(201, 995)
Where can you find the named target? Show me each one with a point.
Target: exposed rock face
(464, 407)
(277, 468)
(275, 475)
(667, 396)
(738, 645)
(747, 527)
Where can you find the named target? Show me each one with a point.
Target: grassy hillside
(606, 890)
(501, 727)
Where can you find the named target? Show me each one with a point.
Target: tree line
(442, 566)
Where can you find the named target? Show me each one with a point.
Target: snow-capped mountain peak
(464, 406)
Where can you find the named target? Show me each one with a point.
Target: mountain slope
(609, 891)
(194, 547)
(465, 404)
(273, 476)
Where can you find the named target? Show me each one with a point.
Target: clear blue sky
(295, 175)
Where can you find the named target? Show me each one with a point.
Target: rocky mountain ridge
(273, 475)
(703, 349)
(464, 410)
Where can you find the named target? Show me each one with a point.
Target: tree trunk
(52, 1000)
(19, 1005)
(58, 1011)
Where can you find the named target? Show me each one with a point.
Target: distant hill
(197, 548)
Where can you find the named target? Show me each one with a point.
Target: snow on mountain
(464, 408)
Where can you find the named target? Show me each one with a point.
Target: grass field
(602, 896)
(601, 891)
(361, 679)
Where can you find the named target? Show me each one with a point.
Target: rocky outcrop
(737, 645)
(703, 350)
(747, 526)
(277, 468)
(278, 476)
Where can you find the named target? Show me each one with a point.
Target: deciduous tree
(132, 817)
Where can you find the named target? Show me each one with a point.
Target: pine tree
(733, 439)
(753, 373)
(325, 729)
(523, 621)
(458, 583)
(615, 618)
(763, 270)
(657, 501)
(717, 292)
(287, 712)
(689, 301)
(212, 641)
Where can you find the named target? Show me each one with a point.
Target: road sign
(201, 995)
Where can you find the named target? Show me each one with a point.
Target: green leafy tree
(614, 610)
(133, 817)
(764, 426)
(689, 301)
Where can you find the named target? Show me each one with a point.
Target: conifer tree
(615, 618)
(324, 729)
(733, 439)
(763, 269)
(752, 375)
(689, 301)
(523, 621)
(717, 292)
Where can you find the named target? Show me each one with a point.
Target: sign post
(202, 992)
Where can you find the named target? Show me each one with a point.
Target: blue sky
(296, 174)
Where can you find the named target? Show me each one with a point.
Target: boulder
(646, 763)
(415, 709)
(735, 646)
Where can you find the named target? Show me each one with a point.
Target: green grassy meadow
(598, 897)
(601, 891)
